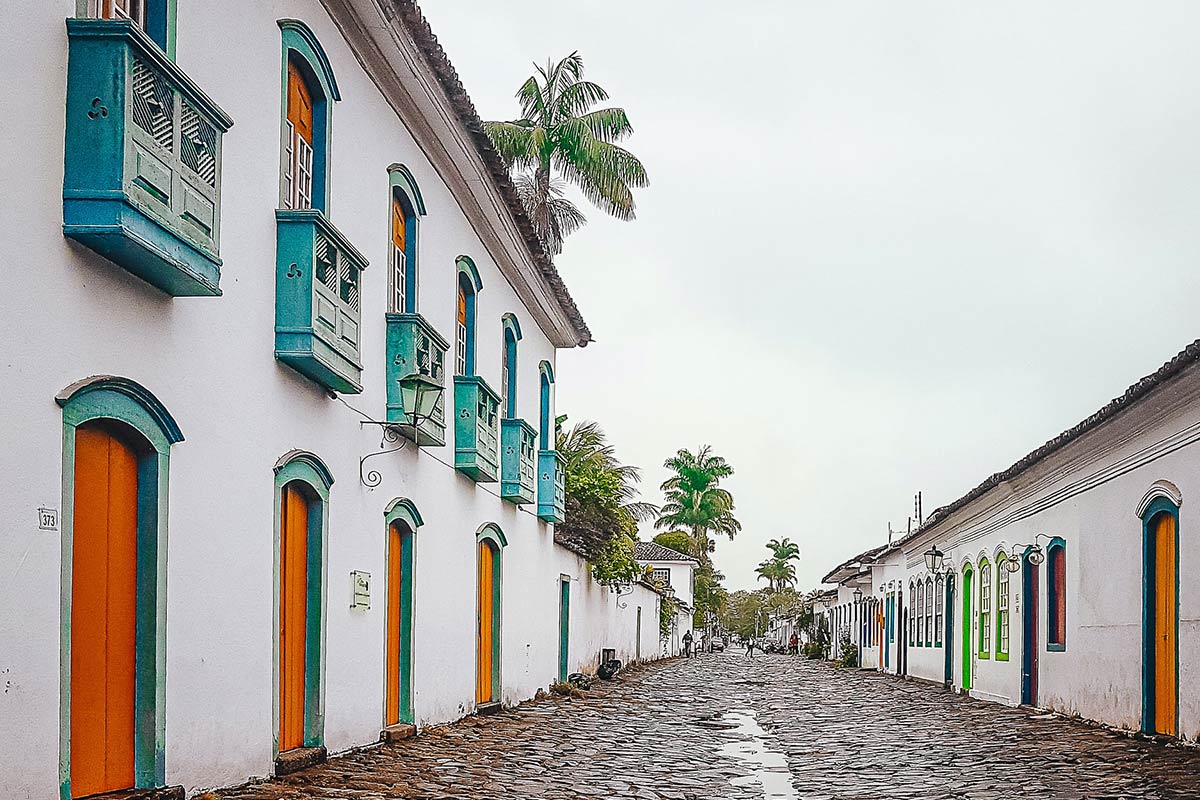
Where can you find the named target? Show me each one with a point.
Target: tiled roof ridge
(435, 57)
(1187, 357)
(650, 551)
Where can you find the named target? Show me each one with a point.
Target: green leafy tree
(784, 549)
(695, 500)
(559, 138)
(679, 541)
(602, 509)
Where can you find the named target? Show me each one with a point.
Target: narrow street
(723, 726)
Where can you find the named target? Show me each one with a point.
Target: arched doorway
(302, 484)
(104, 596)
(1160, 630)
(489, 546)
(1030, 600)
(967, 621)
(402, 521)
(117, 439)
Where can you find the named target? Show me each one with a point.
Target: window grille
(929, 612)
(399, 259)
(920, 618)
(134, 10)
(939, 597)
(198, 145)
(153, 104)
(504, 379)
(460, 334)
(349, 284)
(1002, 608)
(662, 576)
(326, 258)
(985, 607)
(299, 178)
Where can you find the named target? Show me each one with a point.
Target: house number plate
(360, 583)
(48, 519)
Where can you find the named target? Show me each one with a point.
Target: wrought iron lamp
(934, 560)
(858, 594)
(419, 393)
(1034, 552)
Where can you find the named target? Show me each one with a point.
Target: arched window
(939, 610)
(1056, 595)
(407, 207)
(309, 94)
(1002, 621)
(464, 317)
(929, 612)
(116, 450)
(490, 543)
(918, 612)
(985, 608)
(508, 366)
(155, 17)
(545, 426)
(911, 622)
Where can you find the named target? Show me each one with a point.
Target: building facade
(281, 373)
(675, 573)
(1060, 582)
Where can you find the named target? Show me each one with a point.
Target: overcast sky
(887, 247)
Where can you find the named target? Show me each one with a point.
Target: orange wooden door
(487, 610)
(299, 104)
(394, 578)
(293, 587)
(103, 613)
(1164, 626)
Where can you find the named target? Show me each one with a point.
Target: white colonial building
(279, 421)
(674, 572)
(1060, 582)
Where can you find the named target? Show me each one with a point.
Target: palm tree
(558, 135)
(784, 549)
(695, 501)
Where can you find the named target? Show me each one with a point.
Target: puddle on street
(770, 769)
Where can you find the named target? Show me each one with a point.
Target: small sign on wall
(47, 519)
(360, 586)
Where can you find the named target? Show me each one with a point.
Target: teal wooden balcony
(317, 317)
(142, 168)
(476, 428)
(518, 474)
(413, 346)
(551, 488)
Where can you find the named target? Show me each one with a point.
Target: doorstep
(488, 709)
(161, 793)
(301, 758)
(397, 733)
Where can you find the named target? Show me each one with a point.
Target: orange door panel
(299, 104)
(1164, 624)
(103, 613)
(483, 688)
(293, 586)
(394, 577)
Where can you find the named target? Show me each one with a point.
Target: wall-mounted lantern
(934, 560)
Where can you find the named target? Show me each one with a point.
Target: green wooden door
(564, 627)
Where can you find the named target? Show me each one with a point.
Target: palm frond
(513, 141)
(607, 124)
(578, 98)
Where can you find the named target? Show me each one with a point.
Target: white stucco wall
(210, 361)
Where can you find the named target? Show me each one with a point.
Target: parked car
(718, 644)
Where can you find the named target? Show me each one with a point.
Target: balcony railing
(142, 169)
(476, 428)
(317, 280)
(413, 346)
(518, 476)
(552, 496)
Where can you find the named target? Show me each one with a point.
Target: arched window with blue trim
(407, 207)
(309, 91)
(545, 418)
(508, 366)
(1056, 595)
(468, 286)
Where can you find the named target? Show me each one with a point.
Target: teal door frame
(564, 627)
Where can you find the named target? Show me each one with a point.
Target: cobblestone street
(722, 726)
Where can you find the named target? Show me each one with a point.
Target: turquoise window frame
(491, 532)
(1052, 594)
(546, 438)
(126, 402)
(404, 512)
(403, 187)
(161, 19)
(468, 279)
(512, 335)
(305, 467)
(300, 45)
(564, 627)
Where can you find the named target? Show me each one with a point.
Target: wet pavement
(773, 728)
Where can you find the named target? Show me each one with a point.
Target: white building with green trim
(281, 365)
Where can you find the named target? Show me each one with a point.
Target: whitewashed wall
(210, 361)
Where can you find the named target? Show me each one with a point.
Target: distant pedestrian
(750, 648)
(705, 645)
(687, 644)
(794, 644)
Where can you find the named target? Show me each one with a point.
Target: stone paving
(685, 730)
